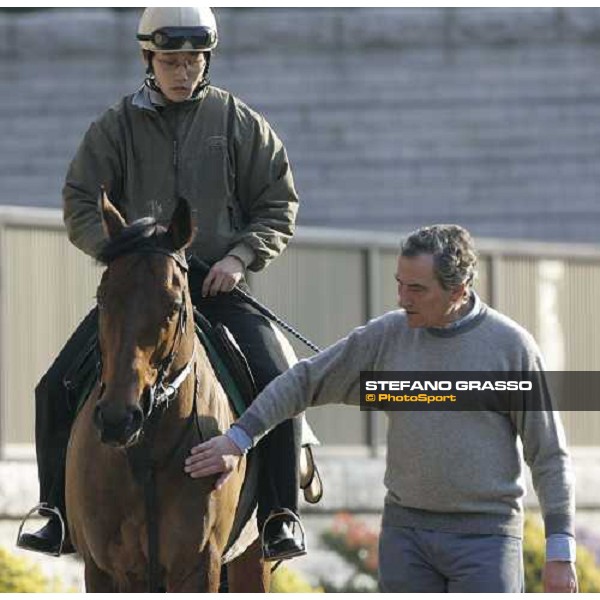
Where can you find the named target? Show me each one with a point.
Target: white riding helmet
(178, 29)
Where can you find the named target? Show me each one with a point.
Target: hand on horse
(223, 276)
(218, 455)
(560, 577)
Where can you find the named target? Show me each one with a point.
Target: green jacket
(214, 151)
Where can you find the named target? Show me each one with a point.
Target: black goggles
(174, 38)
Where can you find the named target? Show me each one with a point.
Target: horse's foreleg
(249, 572)
(96, 580)
(204, 575)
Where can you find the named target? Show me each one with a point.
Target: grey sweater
(447, 471)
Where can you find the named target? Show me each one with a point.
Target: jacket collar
(148, 98)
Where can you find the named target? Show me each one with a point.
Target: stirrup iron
(43, 509)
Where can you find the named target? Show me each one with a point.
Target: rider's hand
(223, 276)
(218, 455)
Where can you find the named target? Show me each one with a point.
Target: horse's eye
(100, 301)
(175, 308)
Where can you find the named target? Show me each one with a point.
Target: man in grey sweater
(453, 513)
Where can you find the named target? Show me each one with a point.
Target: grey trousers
(419, 560)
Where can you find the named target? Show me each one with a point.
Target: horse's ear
(181, 230)
(112, 221)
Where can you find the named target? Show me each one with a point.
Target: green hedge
(19, 575)
(287, 581)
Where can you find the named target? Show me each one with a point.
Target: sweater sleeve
(331, 377)
(545, 451)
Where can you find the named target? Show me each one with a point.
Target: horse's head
(145, 314)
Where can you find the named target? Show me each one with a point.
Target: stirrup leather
(44, 510)
(310, 479)
(294, 522)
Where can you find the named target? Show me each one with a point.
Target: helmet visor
(174, 38)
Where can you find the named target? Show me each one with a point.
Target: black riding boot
(52, 437)
(57, 396)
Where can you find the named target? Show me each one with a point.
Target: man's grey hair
(453, 251)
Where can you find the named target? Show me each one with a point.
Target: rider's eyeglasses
(171, 63)
(174, 38)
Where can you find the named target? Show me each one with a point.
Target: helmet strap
(148, 54)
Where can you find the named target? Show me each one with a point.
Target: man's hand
(218, 455)
(223, 276)
(559, 577)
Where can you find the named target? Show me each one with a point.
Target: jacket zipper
(176, 168)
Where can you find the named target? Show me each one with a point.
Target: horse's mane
(141, 233)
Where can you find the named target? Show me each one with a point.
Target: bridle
(167, 384)
(164, 390)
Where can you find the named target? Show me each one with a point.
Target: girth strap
(151, 502)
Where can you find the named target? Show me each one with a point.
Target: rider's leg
(280, 449)
(55, 413)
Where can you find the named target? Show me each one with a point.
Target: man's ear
(459, 292)
(112, 221)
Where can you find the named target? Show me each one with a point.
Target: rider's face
(178, 73)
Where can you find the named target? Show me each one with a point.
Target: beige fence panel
(326, 283)
(47, 287)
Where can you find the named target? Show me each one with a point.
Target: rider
(179, 136)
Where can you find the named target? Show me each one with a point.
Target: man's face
(178, 73)
(420, 294)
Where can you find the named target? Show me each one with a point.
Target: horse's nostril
(98, 421)
(136, 418)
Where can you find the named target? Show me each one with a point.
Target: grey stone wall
(393, 118)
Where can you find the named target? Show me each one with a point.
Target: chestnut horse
(157, 396)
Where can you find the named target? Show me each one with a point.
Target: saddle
(228, 361)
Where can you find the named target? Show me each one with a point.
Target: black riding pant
(279, 451)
